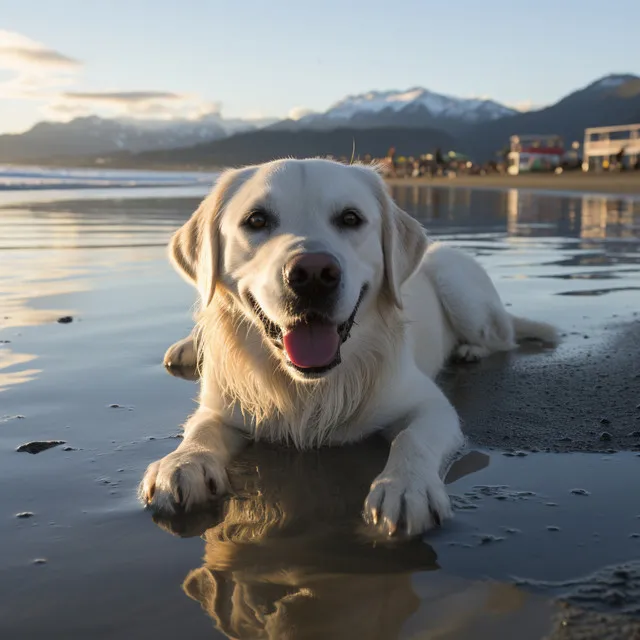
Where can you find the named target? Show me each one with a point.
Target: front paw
(181, 358)
(411, 503)
(182, 481)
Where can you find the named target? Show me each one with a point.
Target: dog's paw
(182, 354)
(182, 481)
(407, 504)
(470, 353)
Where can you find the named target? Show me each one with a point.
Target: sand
(573, 181)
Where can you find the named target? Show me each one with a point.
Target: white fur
(424, 305)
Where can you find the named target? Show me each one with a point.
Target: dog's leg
(195, 473)
(473, 306)
(410, 494)
(183, 354)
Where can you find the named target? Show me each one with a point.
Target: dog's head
(303, 248)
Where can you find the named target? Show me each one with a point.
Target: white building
(601, 144)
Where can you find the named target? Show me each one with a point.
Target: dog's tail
(526, 329)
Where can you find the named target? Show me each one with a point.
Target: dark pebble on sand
(39, 561)
(488, 539)
(5, 341)
(115, 406)
(69, 449)
(605, 436)
(65, 320)
(553, 527)
(23, 515)
(605, 421)
(37, 446)
(634, 535)
(580, 492)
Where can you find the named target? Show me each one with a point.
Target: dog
(325, 314)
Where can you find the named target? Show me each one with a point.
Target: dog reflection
(288, 556)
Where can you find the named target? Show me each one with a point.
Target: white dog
(324, 317)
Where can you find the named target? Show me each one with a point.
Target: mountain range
(414, 121)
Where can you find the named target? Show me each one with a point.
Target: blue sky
(170, 58)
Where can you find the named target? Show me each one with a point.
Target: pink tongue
(312, 345)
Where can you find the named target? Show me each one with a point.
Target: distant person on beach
(439, 158)
(391, 155)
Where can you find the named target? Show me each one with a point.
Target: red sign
(547, 151)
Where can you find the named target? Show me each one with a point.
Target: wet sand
(543, 543)
(572, 181)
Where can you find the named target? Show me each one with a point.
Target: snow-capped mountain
(468, 109)
(611, 82)
(416, 107)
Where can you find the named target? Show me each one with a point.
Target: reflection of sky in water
(55, 255)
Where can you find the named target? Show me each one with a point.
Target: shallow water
(520, 536)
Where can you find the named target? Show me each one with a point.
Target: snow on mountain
(612, 81)
(469, 110)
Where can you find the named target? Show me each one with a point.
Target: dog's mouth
(312, 343)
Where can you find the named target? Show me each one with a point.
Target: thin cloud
(20, 53)
(297, 113)
(152, 105)
(525, 105)
(125, 97)
(36, 72)
(15, 57)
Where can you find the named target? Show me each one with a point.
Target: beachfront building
(608, 147)
(534, 153)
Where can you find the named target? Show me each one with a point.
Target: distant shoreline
(605, 183)
(626, 183)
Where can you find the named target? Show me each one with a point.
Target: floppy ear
(404, 242)
(194, 249)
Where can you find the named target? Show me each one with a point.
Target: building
(534, 153)
(604, 145)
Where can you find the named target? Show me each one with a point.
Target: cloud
(22, 54)
(17, 57)
(120, 97)
(41, 74)
(156, 105)
(298, 113)
(36, 72)
(525, 105)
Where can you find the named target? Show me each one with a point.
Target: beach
(546, 534)
(572, 181)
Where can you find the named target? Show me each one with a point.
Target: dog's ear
(194, 249)
(404, 239)
(404, 242)
(202, 585)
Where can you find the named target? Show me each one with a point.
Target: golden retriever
(325, 315)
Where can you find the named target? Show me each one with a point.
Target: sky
(277, 58)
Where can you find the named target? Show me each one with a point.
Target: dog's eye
(349, 218)
(257, 220)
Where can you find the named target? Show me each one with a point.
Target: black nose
(312, 273)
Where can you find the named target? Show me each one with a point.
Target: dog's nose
(309, 273)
